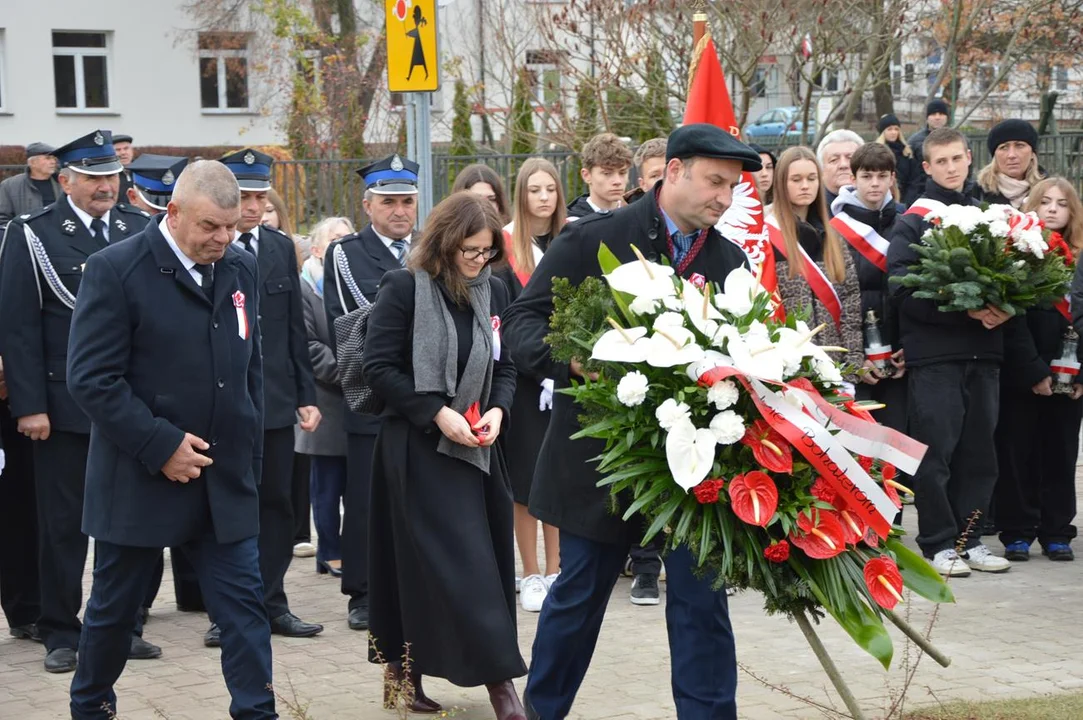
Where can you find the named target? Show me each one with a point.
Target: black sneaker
(1018, 551)
(1057, 551)
(645, 589)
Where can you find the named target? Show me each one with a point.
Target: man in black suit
(41, 266)
(165, 360)
(289, 387)
(391, 204)
(675, 221)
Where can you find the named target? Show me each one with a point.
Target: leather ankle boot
(506, 701)
(397, 686)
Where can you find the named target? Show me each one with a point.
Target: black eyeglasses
(475, 253)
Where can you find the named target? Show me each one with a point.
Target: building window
(223, 71)
(758, 88)
(81, 70)
(544, 69)
(908, 73)
(828, 80)
(1060, 76)
(3, 77)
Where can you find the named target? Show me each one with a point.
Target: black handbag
(350, 330)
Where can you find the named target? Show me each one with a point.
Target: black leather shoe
(359, 618)
(143, 650)
(26, 632)
(213, 638)
(290, 625)
(531, 713)
(60, 660)
(146, 615)
(323, 567)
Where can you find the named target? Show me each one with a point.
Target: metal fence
(314, 189)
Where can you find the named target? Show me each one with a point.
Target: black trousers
(647, 559)
(185, 582)
(19, 593)
(355, 520)
(953, 409)
(302, 503)
(1037, 445)
(276, 523)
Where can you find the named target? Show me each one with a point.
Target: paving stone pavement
(1017, 634)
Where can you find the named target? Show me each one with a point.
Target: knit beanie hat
(764, 151)
(1009, 130)
(887, 121)
(937, 106)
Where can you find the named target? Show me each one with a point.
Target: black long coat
(287, 369)
(441, 559)
(35, 323)
(565, 491)
(152, 359)
(369, 259)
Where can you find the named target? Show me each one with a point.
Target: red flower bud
(777, 552)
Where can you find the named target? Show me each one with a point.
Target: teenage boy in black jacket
(954, 361)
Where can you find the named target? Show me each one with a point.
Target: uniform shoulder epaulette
(275, 231)
(130, 209)
(34, 214)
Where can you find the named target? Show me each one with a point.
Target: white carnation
(965, 217)
(632, 389)
(998, 213)
(999, 228)
(669, 319)
(828, 372)
(723, 394)
(671, 412)
(728, 427)
(643, 306)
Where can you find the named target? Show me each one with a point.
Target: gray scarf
(436, 353)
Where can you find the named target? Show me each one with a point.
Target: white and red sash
(814, 276)
(924, 206)
(863, 237)
(1064, 307)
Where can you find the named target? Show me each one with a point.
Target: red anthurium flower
(887, 471)
(777, 552)
(884, 581)
(819, 533)
(892, 494)
(858, 411)
(853, 526)
(707, 491)
(754, 497)
(769, 447)
(822, 490)
(865, 463)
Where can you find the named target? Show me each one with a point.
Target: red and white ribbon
(878, 352)
(1065, 367)
(495, 321)
(242, 317)
(863, 237)
(924, 206)
(814, 276)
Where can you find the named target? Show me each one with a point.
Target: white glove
(545, 402)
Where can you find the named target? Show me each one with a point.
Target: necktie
(246, 240)
(97, 227)
(399, 248)
(681, 245)
(206, 275)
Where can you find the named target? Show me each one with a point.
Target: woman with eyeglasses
(442, 564)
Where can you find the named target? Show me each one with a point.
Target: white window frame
(539, 70)
(220, 55)
(3, 76)
(80, 80)
(1058, 81)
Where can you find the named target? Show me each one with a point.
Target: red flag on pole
(743, 223)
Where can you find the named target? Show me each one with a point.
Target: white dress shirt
(87, 219)
(188, 263)
(254, 232)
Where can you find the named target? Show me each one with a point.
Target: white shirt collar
(597, 209)
(387, 241)
(87, 219)
(254, 232)
(186, 261)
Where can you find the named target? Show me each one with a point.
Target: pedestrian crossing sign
(413, 63)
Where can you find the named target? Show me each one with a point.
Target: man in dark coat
(165, 360)
(289, 388)
(44, 254)
(35, 188)
(391, 204)
(676, 222)
(936, 116)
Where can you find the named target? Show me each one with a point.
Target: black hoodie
(580, 207)
(927, 334)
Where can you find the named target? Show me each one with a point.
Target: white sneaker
(532, 592)
(949, 564)
(979, 558)
(550, 579)
(518, 582)
(304, 550)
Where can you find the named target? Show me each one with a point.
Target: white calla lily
(739, 292)
(710, 360)
(689, 453)
(669, 319)
(756, 355)
(627, 345)
(671, 346)
(643, 279)
(799, 341)
(700, 310)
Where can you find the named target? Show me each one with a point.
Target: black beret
(1009, 130)
(39, 148)
(122, 138)
(937, 106)
(761, 150)
(705, 140)
(887, 121)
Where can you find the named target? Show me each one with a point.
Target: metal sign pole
(423, 155)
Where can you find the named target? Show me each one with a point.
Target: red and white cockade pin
(698, 280)
(495, 321)
(242, 318)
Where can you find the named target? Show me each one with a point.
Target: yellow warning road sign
(413, 63)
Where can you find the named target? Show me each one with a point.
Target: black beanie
(1009, 130)
(764, 151)
(887, 121)
(937, 106)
